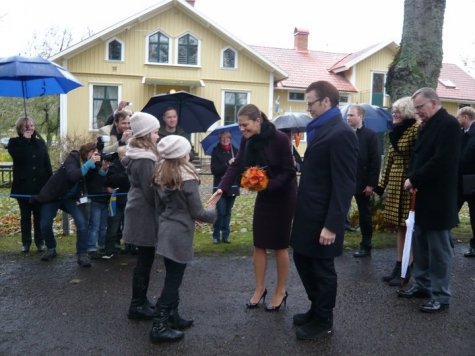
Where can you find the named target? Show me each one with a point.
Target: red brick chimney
(301, 39)
(191, 2)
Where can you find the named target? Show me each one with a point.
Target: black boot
(139, 306)
(396, 281)
(396, 272)
(317, 328)
(161, 330)
(176, 321)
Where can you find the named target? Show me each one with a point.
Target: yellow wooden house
(173, 46)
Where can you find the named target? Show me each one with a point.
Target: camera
(109, 157)
(129, 103)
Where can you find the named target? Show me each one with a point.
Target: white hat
(174, 146)
(142, 124)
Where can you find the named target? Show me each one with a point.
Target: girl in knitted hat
(179, 206)
(140, 216)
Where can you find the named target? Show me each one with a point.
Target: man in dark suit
(433, 175)
(466, 118)
(367, 175)
(326, 187)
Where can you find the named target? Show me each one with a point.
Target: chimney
(191, 2)
(301, 40)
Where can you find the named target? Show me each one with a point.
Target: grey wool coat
(178, 210)
(141, 218)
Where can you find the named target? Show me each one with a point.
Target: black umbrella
(296, 121)
(195, 114)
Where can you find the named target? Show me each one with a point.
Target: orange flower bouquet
(254, 179)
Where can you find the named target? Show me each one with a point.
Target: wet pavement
(58, 308)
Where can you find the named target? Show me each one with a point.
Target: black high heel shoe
(271, 308)
(252, 305)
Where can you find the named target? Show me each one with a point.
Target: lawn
(241, 227)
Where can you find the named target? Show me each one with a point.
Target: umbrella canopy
(406, 254)
(211, 141)
(296, 121)
(195, 114)
(375, 118)
(28, 77)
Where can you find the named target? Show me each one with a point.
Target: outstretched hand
(214, 198)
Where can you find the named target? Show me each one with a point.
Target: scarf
(226, 148)
(140, 153)
(254, 150)
(398, 131)
(318, 122)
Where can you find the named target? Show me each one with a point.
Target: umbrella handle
(413, 201)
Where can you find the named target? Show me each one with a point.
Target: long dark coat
(219, 166)
(274, 206)
(467, 158)
(433, 171)
(398, 201)
(326, 187)
(31, 164)
(369, 159)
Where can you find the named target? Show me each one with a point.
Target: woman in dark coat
(31, 170)
(398, 201)
(221, 158)
(262, 145)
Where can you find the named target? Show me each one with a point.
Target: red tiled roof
(464, 83)
(350, 57)
(305, 68)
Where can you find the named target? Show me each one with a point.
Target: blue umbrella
(195, 114)
(212, 140)
(29, 77)
(375, 118)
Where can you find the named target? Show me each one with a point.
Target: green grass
(241, 230)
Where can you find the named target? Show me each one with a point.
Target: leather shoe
(470, 252)
(413, 292)
(362, 253)
(433, 306)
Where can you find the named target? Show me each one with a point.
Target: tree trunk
(419, 59)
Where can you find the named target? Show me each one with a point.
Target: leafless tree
(419, 59)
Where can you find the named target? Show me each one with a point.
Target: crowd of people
(430, 159)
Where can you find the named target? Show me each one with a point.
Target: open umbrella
(375, 118)
(210, 141)
(195, 114)
(28, 77)
(296, 121)
(406, 253)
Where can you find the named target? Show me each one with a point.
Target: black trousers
(145, 258)
(470, 199)
(25, 222)
(366, 220)
(173, 279)
(319, 279)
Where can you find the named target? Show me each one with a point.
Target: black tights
(173, 278)
(145, 258)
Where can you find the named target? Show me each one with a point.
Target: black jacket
(31, 164)
(467, 157)
(117, 178)
(433, 171)
(219, 165)
(95, 186)
(369, 160)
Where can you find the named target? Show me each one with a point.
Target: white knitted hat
(174, 146)
(142, 124)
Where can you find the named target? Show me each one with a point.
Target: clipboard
(468, 184)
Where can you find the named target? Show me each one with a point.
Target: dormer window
(229, 58)
(114, 50)
(188, 50)
(158, 48)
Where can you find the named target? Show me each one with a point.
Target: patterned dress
(398, 201)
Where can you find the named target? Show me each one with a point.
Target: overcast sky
(340, 26)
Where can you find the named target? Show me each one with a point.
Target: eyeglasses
(313, 102)
(418, 107)
(395, 113)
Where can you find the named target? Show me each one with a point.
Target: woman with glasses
(221, 158)
(397, 204)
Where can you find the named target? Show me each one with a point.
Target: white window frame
(293, 100)
(384, 81)
(91, 100)
(170, 46)
(235, 58)
(198, 52)
(122, 50)
(345, 96)
(223, 97)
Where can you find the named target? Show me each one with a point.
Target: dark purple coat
(274, 206)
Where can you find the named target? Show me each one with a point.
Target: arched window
(158, 48)
(188, 50)
(229, 58)
(114, 50)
